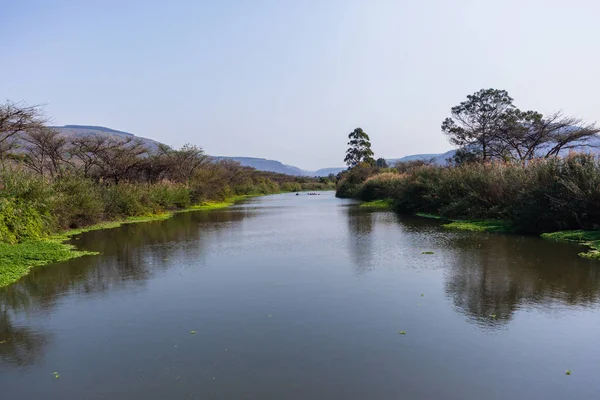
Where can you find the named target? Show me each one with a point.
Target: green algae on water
(384, 204)
(590, 239)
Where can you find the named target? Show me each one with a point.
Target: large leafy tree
(474, 123)
(360, 149)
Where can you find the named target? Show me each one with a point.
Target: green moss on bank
(426, 215)
(585, 238)
(473, 225)
(385, 204)
(481, 226)
(17, 259)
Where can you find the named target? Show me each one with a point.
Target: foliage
(381, 163)
(488, 126)
(360, 149)
(474, 121)
(350, 180)
(541, 196)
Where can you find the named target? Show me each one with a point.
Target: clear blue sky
(288, 80)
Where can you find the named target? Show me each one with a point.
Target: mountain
(263, 164)
(90, 130)
(260, 164)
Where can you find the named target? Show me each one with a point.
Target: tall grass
(542, 196)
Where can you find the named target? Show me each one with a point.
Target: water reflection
(360, 238)
(130, 255)
(498, 274)
(18, 344)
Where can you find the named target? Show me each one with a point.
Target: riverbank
(590, 239)
(16, 260)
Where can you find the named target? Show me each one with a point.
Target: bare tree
(84, 152)
(116, 158)
(525, 135)
(44, 150)
(16, 118)
(158, 164)
(187, 160)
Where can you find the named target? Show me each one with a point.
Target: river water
(304, 297)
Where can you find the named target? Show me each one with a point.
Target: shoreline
(589, 239)
(17, 260)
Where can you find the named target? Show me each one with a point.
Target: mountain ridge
(264, 164)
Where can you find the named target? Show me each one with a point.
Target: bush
(77, 202)
(541, 196)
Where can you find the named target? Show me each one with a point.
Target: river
(304, 297)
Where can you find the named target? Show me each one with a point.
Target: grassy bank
(16, 260)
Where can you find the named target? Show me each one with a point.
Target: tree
(17, 118)
(43, 150)
(186, 160)
(524, 135)
(359, 150)
(116, 158)
(381, 163)
(474, 123)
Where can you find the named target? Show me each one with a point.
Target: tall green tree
(360, 149)
(474, 123)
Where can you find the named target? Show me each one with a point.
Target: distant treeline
(509, 167)
(50, 182)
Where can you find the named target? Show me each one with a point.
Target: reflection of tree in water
(19, 345)
(130, 255)
(497, 274)
(360, 227)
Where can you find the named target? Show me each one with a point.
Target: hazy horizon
(289, 80)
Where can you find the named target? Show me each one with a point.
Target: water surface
(303, 297)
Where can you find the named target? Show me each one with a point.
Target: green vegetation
(430, 216)
(402, 333)
(53, 187)
(428, 252)
(568, 372)
(384, 204)
(547, 195)
(17, 259)
(359, 150)
(509, 173)
(590, 239)
(481, 226)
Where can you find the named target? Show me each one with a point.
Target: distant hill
(263, 164)
(87, 130)
(260, 164)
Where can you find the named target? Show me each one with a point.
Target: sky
(290, 79)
